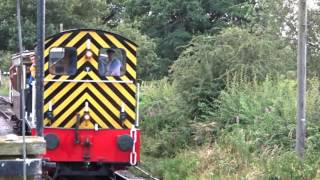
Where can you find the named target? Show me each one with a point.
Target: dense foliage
(201, 70)
(149, 62)
(174, 23)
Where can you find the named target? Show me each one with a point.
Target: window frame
(74, 50)
(123, 61)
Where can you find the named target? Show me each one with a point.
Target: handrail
(88, 81)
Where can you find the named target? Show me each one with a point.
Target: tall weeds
(247, 133)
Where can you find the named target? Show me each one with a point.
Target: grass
(4, 86)
(223, 161)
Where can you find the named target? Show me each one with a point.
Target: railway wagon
(15, 79)
(90, 102)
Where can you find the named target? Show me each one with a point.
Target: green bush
(201, 70)
(159, 106)
(149, 64)
(266, 110)
(5, 59)
(179, 168)
(166, 130)
(251, 126)
(288, 166)
(167, 142)
(258, 119)
(4, 86)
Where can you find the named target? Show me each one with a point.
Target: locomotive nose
(125, 142)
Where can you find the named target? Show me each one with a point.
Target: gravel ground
(5, 124)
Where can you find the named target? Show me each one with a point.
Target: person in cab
(111, 65)
(32, 69)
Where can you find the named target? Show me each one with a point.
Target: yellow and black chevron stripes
(104, 99)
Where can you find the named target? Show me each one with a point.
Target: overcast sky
(312, 4)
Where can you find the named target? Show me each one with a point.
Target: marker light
(88, 54)
(86, 116)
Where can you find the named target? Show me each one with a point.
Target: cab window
(63, 61)
(112, 62)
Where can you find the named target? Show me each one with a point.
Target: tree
(313, 42)
(5, 59)
(72, 13)
(174, 23)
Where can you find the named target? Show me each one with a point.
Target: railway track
(4, 115)
(126, 175)
(117, 175)
(5, 107)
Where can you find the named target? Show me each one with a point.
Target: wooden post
(10, 157)
(11, 146)
(301, 78)
(22, 90)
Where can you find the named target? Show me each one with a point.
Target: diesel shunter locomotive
(90, 101)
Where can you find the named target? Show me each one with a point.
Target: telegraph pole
(301, 78)
(39, 65)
